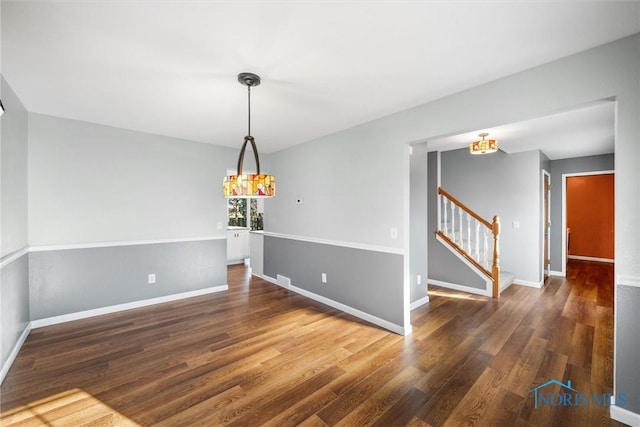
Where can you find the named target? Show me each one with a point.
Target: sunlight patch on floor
(454, 294)
(71, 407)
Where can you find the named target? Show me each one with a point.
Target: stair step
(506, 279)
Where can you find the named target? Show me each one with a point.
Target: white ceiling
(170, 67)
(586, 131)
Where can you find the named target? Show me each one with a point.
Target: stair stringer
(487, 291)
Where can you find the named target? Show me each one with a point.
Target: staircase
(474, 239)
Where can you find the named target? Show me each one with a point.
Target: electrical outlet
(516, 225)
(324, 277)
(219, 226)
(419, 279)
(394, 233)
(152, 278)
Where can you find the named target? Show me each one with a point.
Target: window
(245, 212)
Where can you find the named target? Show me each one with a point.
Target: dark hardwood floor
(259, 354)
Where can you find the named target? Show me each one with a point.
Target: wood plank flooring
(260, 355)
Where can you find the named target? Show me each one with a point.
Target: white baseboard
(528, 283)
(342, 307)
(590, 258)
(419, 303)
(40, 323)
(14, 353)
(461, 288)
(626, 280)
(556, 273)
(624, 416)
(353, 311)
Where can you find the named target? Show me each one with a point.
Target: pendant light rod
(249, 80)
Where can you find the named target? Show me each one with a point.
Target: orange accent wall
(590, 215)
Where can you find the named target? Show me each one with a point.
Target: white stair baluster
(453, 222)
(460, 240)
(486, 247)
(468, 233)
(444, 204)
(476, 255)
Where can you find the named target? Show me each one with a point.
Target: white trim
(625, 280)
(120, 243)
(528, 283)
(419, 303)
(14, 353)
(366, 247)
(488, 281)
(544, 226)
(461, 288)
(557, 273)
(406, 238)
(590, 258)
(342, 307)
(40, 323)
(624, 416)
(563, 231)
(8, 259)
(353, 311)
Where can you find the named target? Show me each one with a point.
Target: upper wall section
(354, 158)
(13, 141)
(94, 183)
(350, 184)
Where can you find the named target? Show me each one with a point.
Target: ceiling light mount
(255, 185)
(483, 146)
(249, 79)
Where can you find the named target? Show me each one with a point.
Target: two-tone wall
(354, 182)
(107, 207)
(14, 264)
(342, 226)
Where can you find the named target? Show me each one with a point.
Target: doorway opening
(588, 217)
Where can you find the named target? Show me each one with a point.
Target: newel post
(495, 267)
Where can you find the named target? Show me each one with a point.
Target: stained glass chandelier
(255, 185)
(483, 146)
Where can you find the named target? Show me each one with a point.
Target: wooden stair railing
(466, 243)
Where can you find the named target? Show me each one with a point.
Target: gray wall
(14, 304)
(351, 184)
(507, 185)
(14, 285)
(74, 280)
(627, 317)
(14, 173)
(444, 266)
(362, 279)
(418, 184)
(557, 169)
(93, 183)
(348, 160)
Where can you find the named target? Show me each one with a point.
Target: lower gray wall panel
(628, 346)
(73, 280)
(14, 297)
(369, 281)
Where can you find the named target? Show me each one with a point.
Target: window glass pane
(237, 212)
